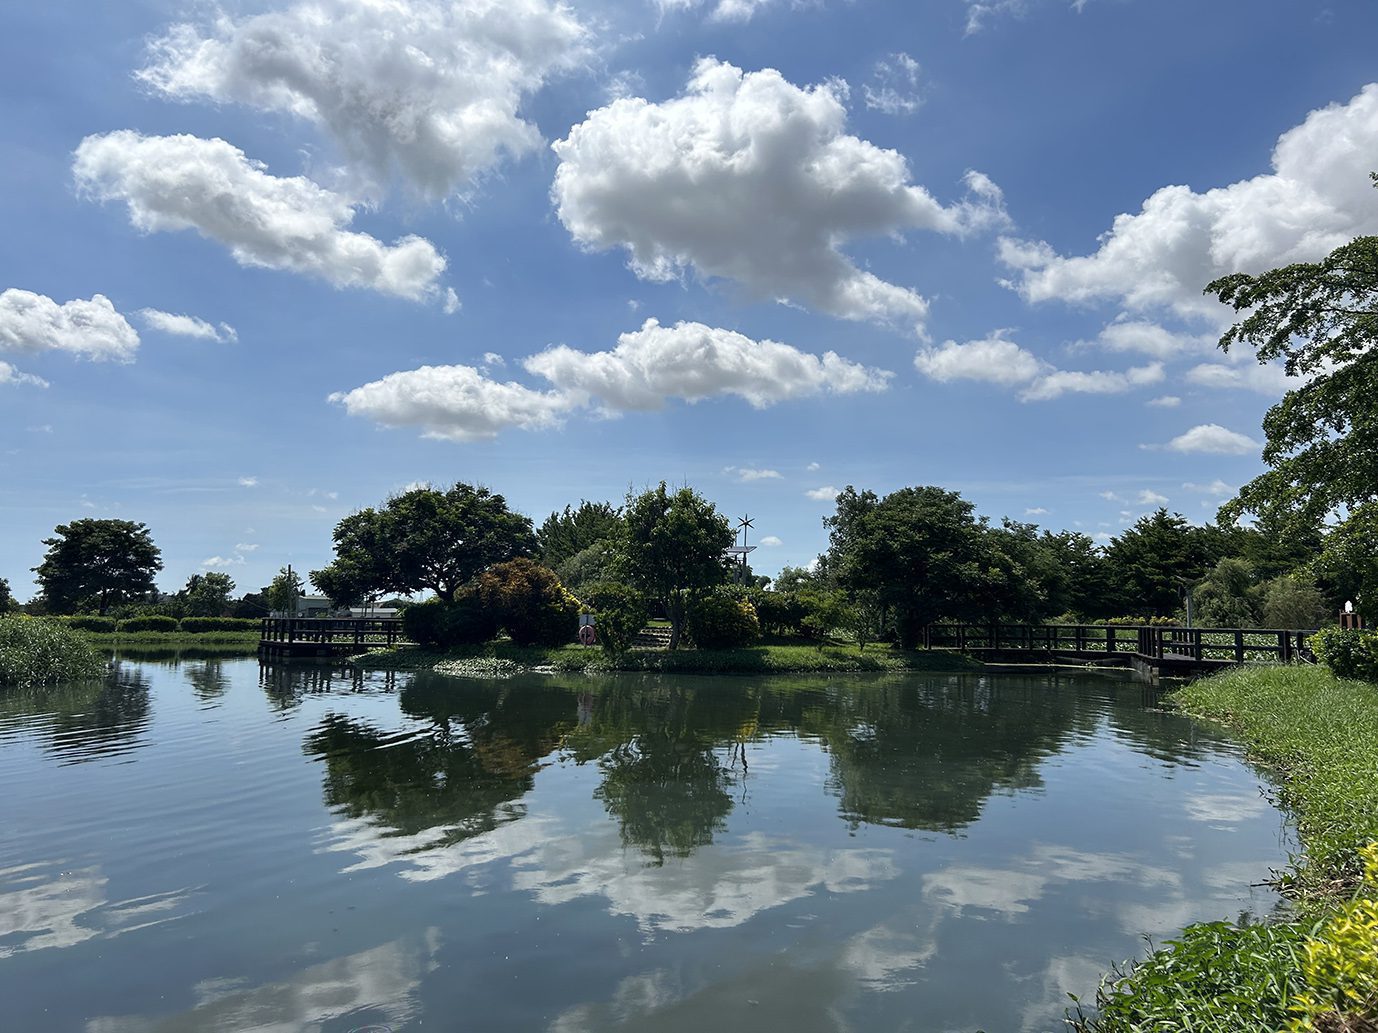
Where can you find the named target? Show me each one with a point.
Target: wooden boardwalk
(1171, 651)
(285, 638)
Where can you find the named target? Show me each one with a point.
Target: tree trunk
(675, 608)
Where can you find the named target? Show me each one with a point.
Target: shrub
(619, 611)
(1348, 653)
(720, 621)
(201, 625)
(530, 603)
(1141, 622)
(34, 650)
(149, 622)
(780, 613)
(438, 624)
(89, 622)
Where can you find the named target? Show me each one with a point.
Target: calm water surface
(211, 845)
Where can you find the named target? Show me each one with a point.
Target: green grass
(108, 640)
(1319, 734)
(768, 658)
(34, 651)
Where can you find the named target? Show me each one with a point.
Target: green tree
(827, 610)
(671, 546)
(7, 602)
(207, 595)
(1293, 601)
(1228, 597)
(596, 563)
(529, 603)
(424, 539)
(1321, 320)
(284, 591)
(920, 550)
(619, 612)
(565, 534)
(1154, 561)
(97, 563)
(1348, 562)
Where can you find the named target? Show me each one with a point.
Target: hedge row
(157, 622)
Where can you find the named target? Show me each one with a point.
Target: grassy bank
(35, 651)
(1319, 971)
(770, 658)
(171, 639)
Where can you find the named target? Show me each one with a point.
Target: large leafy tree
(423, 539)
(207, 595)
(920, 552)
(570, 532)
(97, 563)
(284, 590)
(7, 602)
(1321, 320)
(671, 545)
(1153, 562)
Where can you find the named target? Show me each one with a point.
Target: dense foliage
(34, 651)
(671, 547)
(566, 534)
(529, 603)
(151, 622)
(423, 539)
(619, 611)
(97, 564)
(206, 595)
(284, 590)
(446, 624)
(1348, 653)
(720, 620)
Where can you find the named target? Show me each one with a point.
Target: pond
(214, 845)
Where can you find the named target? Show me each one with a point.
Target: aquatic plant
(35, 651)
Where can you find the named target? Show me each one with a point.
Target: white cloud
(223, 561)
(1165, 402)
(693, 361)
(979, 12)
(827, 493)
(493, 359)
(455, 403)
(813, 467)
(647, 368)
(993, 359)
(1213, 439)
(771, 542)
(1151, 339)
(1036, 511)
(246, 547)
(894, 86)
(1149, 497)
(1217, 488)
(428, 88)
(1096, 382)
(747, 474)
(1267, 379)
(749, 178)
(1112, 496)
(1317, 197)
(184, 182)
(10, 375)
(723, 10)
(248, 482)
(92, 329)
(187, 326)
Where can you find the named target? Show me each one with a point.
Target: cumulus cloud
(1216, 488)
(184, 182)
(187, 326)
(981, 12)
(246, 547)
(692, 361)
(1317, 197)
(430, 89)
(771, 542)
(1213, 439)
(723, 10)
(91, 329)
(1096, 382)
(994, 359)
(749, 178)
(222, 561)
(648, 367)
(1151, 339)
(10, 375)
(1149, 497)
(1035, 511)
(827, 493)
(1266, 379)
(455, 403)
(748, 474)
(248, 482)
(894, 86)
(1165, 402)
(998, 360)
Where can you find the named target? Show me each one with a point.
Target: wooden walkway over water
(1153, 650)
(283, 638)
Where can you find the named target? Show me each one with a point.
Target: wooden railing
(1236, 645)
(364, 632)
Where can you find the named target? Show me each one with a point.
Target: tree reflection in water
(84, 721)
(915, 752)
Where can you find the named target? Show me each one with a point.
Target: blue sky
(267, 263)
